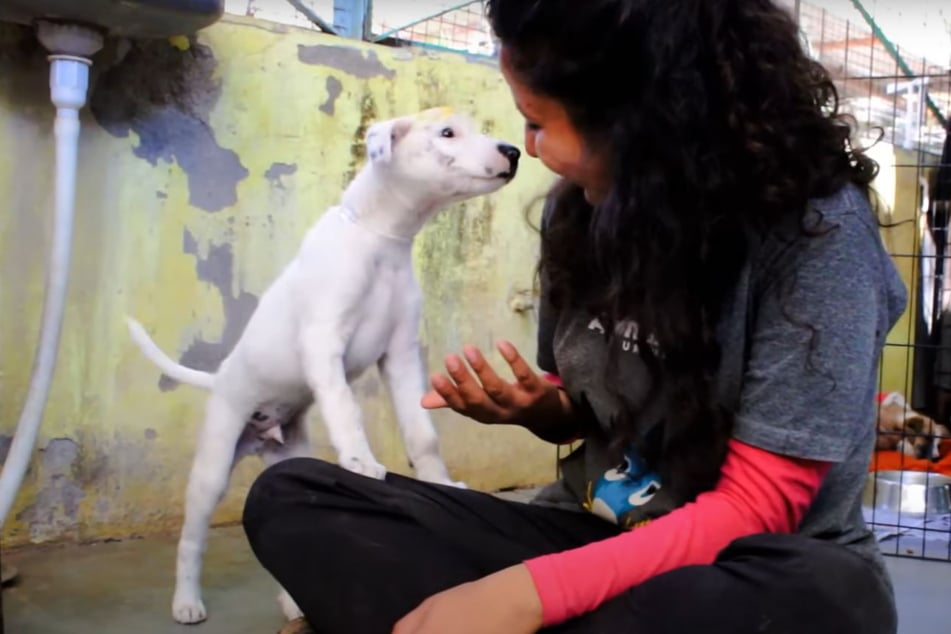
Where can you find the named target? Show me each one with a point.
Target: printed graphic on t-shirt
(628, 331)
(622, 489)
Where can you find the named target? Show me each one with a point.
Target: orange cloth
(894, 461)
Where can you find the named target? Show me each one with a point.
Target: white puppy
(348, 301)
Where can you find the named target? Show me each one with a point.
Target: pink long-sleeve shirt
(758, 492)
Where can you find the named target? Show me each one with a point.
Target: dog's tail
(165, 363)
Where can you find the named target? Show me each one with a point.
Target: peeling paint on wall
(361, 64)
(217, 268)
(334, 88)
(55, 509)
(170, 115)
(277, 170)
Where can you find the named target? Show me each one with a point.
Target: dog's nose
(510, 152)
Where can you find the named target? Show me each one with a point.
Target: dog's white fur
(348, 301)
(902, 429)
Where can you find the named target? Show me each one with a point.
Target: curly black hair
(718, 126)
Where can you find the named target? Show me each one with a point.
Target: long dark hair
(718, 126)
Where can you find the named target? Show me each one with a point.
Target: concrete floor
(124, 588)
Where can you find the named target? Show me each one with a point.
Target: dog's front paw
(364, 466)
(289, 606)
(444, 481)
(459, 484)
(189, 610)
(434, 470)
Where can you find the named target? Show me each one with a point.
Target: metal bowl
(908, 492)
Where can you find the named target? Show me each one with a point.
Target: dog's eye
(448, 133)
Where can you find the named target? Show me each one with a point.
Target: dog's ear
(382, 136)
(894, 398)
(915, 425)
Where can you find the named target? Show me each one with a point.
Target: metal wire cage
(442, 25)
(901, 99)
(447, 25)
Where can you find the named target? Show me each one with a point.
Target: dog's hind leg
(402, 370)
(296, 445)
(326, 377)
(210, 473)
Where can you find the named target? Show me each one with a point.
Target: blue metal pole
(311, 15)
(352, 18)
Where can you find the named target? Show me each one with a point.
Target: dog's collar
(349, 214)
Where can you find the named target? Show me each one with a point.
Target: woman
(715, 301)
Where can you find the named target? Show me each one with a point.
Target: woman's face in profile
(551, 137)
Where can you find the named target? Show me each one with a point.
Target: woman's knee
(278, 486)
(846, 588)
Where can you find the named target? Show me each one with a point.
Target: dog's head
(900, 428)
(922, 437)
(441, 154)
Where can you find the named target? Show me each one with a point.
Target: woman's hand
(531, 401)
(502, 603)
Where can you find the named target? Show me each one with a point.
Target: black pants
(357, 554)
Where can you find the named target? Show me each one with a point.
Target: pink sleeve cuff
(758, 492)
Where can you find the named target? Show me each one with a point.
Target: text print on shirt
(629, 485)
(628, 331)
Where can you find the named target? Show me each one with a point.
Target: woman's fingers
(433, 399)
(411, 622)
(523, 373)
(468, 387)
(462, 393)
(446, 390)
(486, 396)
(497, 389)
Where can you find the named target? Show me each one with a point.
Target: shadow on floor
(125, 588)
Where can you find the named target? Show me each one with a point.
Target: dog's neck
(376, 202)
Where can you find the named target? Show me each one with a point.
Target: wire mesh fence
(444, 25)
(887, 88)
(284, 12)
(436, 24)
(903, 97)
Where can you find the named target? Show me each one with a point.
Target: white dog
(349, 300)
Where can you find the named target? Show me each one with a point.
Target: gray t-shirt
(791, 394)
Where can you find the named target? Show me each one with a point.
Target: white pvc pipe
(69, 82)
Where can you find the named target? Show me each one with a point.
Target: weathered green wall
(203, 162)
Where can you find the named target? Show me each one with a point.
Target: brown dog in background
(901, 428)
